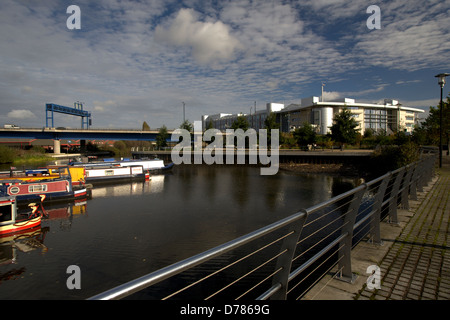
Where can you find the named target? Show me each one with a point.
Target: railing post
(345, 261)
(285, 260)
(393, 202)
(378, 204)
(414, 178)
(406, 184)
(421, 178)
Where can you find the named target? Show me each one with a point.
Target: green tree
(305, 135)
(432, 124)
(161, 137)
(209, 125)
(271, 123)
(240, 123)
(145, 126)
(7, 154)
(121, 148)
(187, 126)
(344, 129)
(324, 141)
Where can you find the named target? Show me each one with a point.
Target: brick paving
(417, 265)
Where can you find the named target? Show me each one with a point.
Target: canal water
(128, 230)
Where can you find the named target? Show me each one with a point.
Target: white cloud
(21, 114)
(331, 96)
(137, 60)
(210, 41)
(414, 35)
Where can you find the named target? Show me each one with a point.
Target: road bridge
(57, 134)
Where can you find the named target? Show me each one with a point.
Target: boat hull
(12, 222)
(114, 174)
(20, 226)
(54, 190)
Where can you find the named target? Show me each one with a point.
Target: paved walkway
(417, 266)
(415, 258)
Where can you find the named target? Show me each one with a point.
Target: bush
(7, 154)
(389, 158)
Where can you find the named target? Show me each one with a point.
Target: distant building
(388, 117)
(223, 121)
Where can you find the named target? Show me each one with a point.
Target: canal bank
(353, 163)
(414, 259)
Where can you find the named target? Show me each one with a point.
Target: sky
(136, 61)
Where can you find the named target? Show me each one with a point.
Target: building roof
(314, 102)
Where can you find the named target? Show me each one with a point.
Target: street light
(441, 82)
(184, 114)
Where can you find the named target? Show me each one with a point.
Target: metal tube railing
(334, 221)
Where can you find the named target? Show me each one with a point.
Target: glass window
(37, 188)
(5, 213)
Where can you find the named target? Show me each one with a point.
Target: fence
(285, 259)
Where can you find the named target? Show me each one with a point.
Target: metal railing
(285, 259)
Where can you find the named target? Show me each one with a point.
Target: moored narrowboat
(76, 174)
(53, 189)
(12, 222)
(149, 165)
(97, 174)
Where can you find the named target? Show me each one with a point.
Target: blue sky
(135, 61)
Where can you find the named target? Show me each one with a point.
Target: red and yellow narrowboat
(13, 222)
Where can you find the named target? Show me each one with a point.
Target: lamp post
(184, 114)
(441, 81)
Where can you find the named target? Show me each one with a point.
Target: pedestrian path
(417, 265)
(414, 260)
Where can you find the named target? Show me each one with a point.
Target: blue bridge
(81, 134)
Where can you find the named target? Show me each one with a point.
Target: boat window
(109, 172)
(37, 188)
(5, 213)
(14, 190)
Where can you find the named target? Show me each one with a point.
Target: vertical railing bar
(349, 222)
(285, 261)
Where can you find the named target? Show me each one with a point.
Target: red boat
(54, 189)
(11, 221)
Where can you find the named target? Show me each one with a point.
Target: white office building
(389, 117)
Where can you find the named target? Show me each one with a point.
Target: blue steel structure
(78, 111)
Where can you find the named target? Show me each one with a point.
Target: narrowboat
(149, 165)
(97, 174)
(76, 174)
(12, 222)
(53, 189)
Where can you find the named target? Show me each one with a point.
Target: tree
(187, 126)
(145, 126)
(305, 135)
(432, 123)
(161, 137)
(240, 123)
(344, 129)
(271, 123)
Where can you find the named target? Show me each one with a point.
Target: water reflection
(154, 185)
(11, 246)
(127, 230)
(64, 213)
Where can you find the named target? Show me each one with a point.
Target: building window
(375, 119)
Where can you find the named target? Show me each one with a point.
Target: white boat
(113, 173)
(149, 165)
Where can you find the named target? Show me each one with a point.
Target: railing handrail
(173, 269)
(418, 174)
